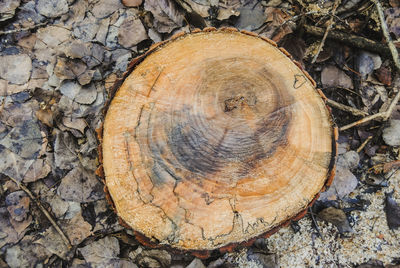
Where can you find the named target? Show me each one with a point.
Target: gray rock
(349, 159)
(344, 183)
(367, 62)
(334, 77)
(16, 68)
(131, 32)
(266, 260)
(52, 8)
(7, 9)
(196, 263)
(24, 140)
(105, 8)
(391, 133)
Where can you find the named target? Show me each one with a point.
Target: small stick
(379, 116)
(395, 55)
(364, 143)
(385, 31)
(23, 29)
(45, 212)
(328, 28)
(315, 223)
(350, 39)
(345, 108)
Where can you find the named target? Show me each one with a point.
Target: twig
(364, 143)
(379, 116)
(384, 116)
(45, 212)
(385, 31)
(23, 29)
(350, 39)
(345, 108)
(315, 223)
(328, 28)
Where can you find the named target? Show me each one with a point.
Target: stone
(391, 134)
(16, 68)
(132, 3)
(52, 8)
(344, 183)
(334, 77)
(131, 32)
(349, 159)
(196, 263)
(367, 62)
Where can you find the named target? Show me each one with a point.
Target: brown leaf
(77, 229)
(18, 205)
(80, 186)
(102, 251)
(65, 150)
(275, 19)
(8, 235)
(384, 75)
(38, 170)
(337, 217)
(46, 116)
(166, 14)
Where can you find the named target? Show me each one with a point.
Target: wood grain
(216, 137)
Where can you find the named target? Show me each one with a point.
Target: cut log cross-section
(214, 138)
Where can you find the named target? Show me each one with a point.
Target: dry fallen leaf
(166, 14)
(337, 217)
(81, 186)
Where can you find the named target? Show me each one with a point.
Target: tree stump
(214, 138)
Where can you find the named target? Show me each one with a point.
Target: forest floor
(58, 61)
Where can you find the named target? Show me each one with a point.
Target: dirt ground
(58, 61)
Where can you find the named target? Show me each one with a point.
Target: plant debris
(58, 62)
